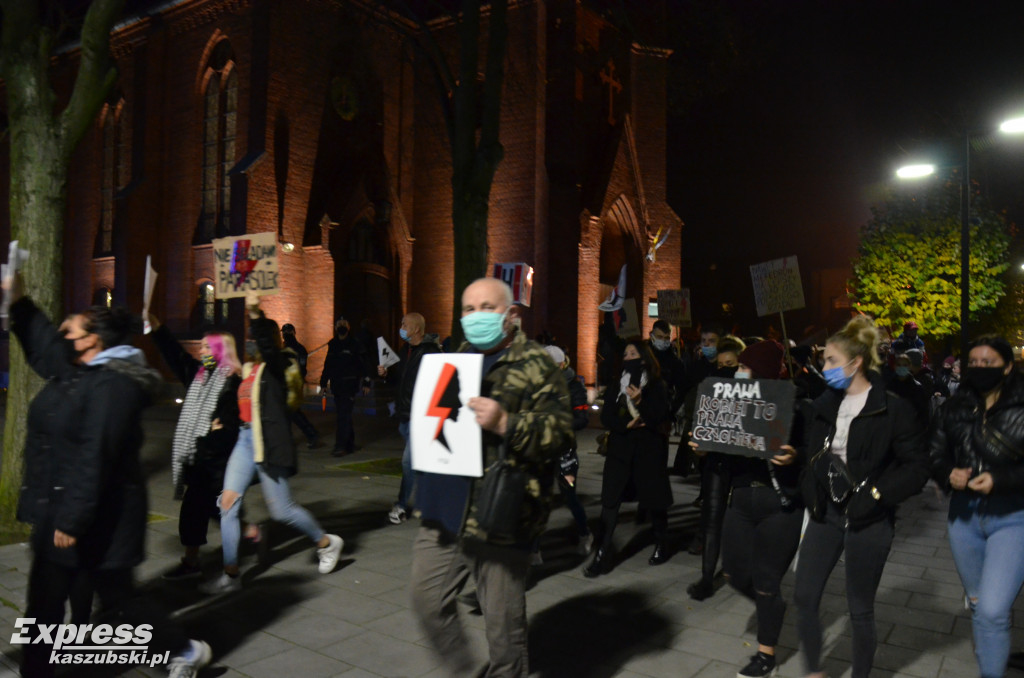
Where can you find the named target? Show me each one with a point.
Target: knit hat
(764, 359)
(948, 362)
(557, 354)
(910, 325)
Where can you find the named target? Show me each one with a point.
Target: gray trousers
(440, 567)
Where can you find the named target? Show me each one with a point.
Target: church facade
(314, 120)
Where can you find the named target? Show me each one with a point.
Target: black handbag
(499, 500)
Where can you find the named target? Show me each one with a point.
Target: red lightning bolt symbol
(435, 410)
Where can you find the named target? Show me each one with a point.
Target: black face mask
(984, 379)
(634, 368)
(725, 372)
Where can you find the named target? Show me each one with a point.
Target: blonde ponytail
(859, 339)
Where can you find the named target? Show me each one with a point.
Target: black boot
(660, 555)
(601, 564)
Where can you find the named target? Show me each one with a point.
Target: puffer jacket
(965, 435)
(531, 388)
(82, 470)
(885, 449)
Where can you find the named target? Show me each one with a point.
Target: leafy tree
(908, 265)
(42, 139)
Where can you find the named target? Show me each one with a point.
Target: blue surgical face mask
(837, 377)
(742, 374)
(661, 344)
(710, 352)
(902, 371)
(403, 334)
(484, 329)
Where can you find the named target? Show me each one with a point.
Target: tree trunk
(469, 221)
(41, 143)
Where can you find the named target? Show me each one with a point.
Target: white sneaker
(222, 584)
(187, 665)
(397, 515)
(329, 554)
(586, 545)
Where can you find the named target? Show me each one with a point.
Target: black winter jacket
(965, 435)
(886, 448)
(343, 366)
(407, 371)
(275, 449)
(82, 470)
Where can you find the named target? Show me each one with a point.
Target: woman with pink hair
(206, 433)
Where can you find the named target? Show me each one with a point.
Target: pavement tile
(293, 662)
(384, 655)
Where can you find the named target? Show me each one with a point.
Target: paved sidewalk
(636, 621)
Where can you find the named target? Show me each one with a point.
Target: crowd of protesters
(873, 421)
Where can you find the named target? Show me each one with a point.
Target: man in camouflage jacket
(524, 412)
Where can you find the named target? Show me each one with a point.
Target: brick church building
(313, 119)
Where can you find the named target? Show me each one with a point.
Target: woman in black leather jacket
(865, 455)
(977, 451)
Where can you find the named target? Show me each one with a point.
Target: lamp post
(1013, 126)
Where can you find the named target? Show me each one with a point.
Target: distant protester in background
(976, 452)
(903, 384)
(697, 365)
(404, 372)
(949, 378)
(343, 374)
(301, 357)
(908, 339)
(636, 414)
(205, 435)
(865, 455)
(569, 462)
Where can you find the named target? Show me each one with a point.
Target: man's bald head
(486, 294)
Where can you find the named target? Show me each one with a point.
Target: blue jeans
(986, 535)
(408, 475)
(237, 478)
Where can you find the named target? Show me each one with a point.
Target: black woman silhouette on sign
(445, 402)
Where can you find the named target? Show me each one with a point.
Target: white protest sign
(674, 307)
(16, 258)
(147, 294)
(443, 434)
(777, 286)
(244, 264)
(386, 356)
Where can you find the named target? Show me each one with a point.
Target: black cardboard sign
(748, 417)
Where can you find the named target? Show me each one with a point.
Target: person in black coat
(412, 332)
(975, 449)
(636, 413)
(84, 492)
(291, 343)
(761, 531)
(205, 435)
(866, 455)
(343, 373)
(264, 449)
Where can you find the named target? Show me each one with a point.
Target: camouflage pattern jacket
(532, 390)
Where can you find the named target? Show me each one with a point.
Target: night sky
(808, 114)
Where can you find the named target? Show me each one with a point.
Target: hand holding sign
(746, 417)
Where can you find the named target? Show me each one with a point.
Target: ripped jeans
(986, 535)
(237, 477)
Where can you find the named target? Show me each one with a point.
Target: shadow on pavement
(594, 635)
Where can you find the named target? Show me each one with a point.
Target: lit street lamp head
(915, 171)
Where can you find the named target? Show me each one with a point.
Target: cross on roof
(608, 77)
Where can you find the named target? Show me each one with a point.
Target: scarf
(623, 383)
(196, 416)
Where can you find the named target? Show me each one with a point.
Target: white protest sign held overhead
(16, 258)
(443, 434)
(386, 356)
(244, 264)
(777, 286)
(147, 294)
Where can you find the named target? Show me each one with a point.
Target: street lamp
(1012, 126)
